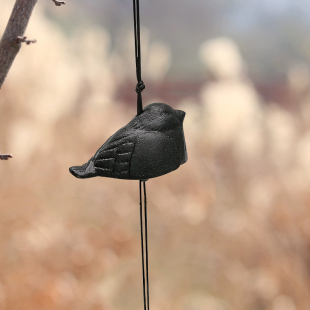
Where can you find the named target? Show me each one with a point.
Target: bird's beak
(180, 114)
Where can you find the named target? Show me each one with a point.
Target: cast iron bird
(150, 145)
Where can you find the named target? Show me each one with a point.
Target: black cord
(146, 247)
(139, 88)
(145, 267)
(140, 85)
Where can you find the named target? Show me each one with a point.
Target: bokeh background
(230, 229)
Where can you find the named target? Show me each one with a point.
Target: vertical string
(142, 245)
(146, 247)
(139, 88)
(145, 267)
(140, 84)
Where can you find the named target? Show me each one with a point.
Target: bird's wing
(114, 156)
(129, 131)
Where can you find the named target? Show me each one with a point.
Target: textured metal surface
(150, 145)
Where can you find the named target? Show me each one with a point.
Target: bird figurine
(150, 145)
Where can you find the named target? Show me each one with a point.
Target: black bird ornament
(150, 145)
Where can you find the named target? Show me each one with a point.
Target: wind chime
(150, 145)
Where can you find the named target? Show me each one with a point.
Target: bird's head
(161, 117)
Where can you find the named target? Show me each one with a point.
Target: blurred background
(230, 229)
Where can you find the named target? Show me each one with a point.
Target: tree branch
(5, 156)
(13, 37)
(24, 40)
(15, 28)
(58, 3)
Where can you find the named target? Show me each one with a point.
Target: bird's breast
(154, 154)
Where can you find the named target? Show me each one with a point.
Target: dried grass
(228, 230)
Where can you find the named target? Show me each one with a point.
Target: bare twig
(15, 28)
(20, 39)
(5, 156)
(59, 3)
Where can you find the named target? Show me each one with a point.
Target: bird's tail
(85, 171)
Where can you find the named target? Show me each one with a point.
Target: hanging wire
(146, 247)
(142, 245)
(145, 267)
(139, 88)
(140, 84)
